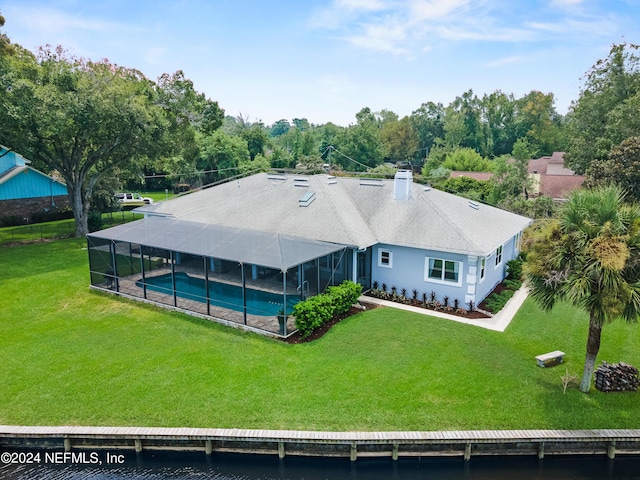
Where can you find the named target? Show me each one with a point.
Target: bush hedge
(318, 310)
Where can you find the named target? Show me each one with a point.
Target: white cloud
(462, 33)
(510, 60)
(600, 26)
(566, 3)
(412, 27)
(366, 5)
(384, 37)
(48, 21)
(420, 10)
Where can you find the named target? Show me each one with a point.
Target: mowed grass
(71, 356)
(58, 228)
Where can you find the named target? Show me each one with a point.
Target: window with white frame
(518, 241)
(499, 255)
(483, 267)
(385, 258)
(439, 270)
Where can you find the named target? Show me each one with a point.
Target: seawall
(353, 445)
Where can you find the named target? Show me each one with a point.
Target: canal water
(188, 466)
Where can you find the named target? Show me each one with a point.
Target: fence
(61, 229)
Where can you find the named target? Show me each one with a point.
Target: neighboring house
(25, 191)
(550, 177)
(480, 176)
(296, 235)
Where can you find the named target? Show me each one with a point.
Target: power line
(334, 149)
(166, 175)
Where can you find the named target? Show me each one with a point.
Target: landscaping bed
(298, 337)
(428, 302)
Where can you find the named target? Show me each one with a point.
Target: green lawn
(72, 356)
(159, 196)
(58, 228)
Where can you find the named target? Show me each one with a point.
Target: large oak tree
(81, 118)
(88, 119)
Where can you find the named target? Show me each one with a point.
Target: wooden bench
(550, 359)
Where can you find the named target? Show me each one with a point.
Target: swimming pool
(222, 295)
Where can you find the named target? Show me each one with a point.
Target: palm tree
(590, 257)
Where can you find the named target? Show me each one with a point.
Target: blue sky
(326, 59)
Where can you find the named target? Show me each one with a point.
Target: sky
(325, 60)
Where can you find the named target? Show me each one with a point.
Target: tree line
(103, 127)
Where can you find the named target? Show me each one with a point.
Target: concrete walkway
(499, 322)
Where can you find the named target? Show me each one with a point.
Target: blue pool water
(220, 294)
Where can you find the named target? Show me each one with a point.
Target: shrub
(344, 295)
(316, 311)
(513, 284)
(313, 313)
(94, 221)
(497, 301)
(12, 221)
(514, 269)
(64, 213)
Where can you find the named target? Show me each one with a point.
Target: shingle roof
(481, 176)
(559, 186)
(346, 212)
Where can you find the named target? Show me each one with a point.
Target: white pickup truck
(133, 199)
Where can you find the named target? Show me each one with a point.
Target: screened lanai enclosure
(235, 276)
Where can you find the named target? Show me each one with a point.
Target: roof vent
(376, 182)
(301, 182)
(307, 199)
(276, 176)
(331, 180)
(474, 205)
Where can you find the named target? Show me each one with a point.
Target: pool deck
(257, 323)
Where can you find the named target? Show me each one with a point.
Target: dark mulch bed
(319, 332)
(474, 314)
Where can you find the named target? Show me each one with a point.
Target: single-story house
(242, 251)
(24, 190)
(552, 178)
